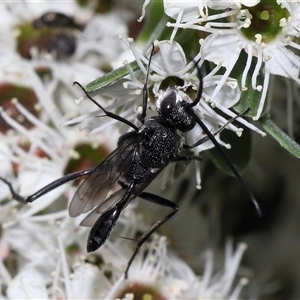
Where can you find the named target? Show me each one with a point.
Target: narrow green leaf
(110, 78)
(284, 140)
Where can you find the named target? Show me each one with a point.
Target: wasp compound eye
(167, 104)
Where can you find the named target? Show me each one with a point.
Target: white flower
(247, 30)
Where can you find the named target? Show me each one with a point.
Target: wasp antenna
(200, 87)
(217, 145)
(149, 63)
(141, 117)
(228, 161)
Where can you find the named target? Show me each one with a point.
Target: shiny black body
(151, 149)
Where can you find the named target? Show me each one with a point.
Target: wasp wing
(93, 191)
(93, 216)
(111, 201)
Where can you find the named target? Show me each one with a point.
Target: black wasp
(140, 156)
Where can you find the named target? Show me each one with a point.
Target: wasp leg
(107, 113)
(46, 189)
(142, 239)
(210, 136)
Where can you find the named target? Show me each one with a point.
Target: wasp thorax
(172, 105)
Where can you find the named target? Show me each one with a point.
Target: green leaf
(110, 78)
(284, 140)
(239, 153)
(188, 39)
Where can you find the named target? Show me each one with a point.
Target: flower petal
(171, 57)
(28, 284)
(281, 63)
(188, 10)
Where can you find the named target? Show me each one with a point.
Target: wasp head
(173, 106)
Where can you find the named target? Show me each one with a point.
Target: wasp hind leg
(143, 238)
(46, 189)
